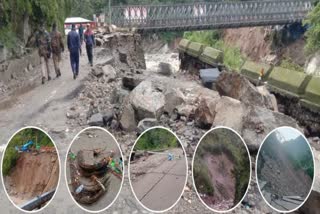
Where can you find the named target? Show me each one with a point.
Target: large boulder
(109, 72)
(173, 98)
(128, 120)
(205, 112)
(147, 100)
(235, 85)
(253, 123)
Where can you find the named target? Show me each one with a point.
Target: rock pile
(140, 99)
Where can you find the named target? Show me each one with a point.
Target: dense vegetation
(14, 12)
(313, 33)
(300, 155)
(22, 137)
(232, 56)
(156, 139)
(217, 142)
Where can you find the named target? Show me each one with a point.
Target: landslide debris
(33, 175)
(221, 169)
(282, 164)
(188, 109)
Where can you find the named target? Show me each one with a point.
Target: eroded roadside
(119, 91)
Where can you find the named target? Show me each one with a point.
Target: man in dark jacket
(57, 47)
(90, 43)
(74, 49)
(80, 31)
(43, 43)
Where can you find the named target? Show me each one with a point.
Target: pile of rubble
(123, 96)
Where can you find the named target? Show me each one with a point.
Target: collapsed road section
(30, 169)
(158, 169)
(94, 169)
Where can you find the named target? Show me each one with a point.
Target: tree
(313, 32)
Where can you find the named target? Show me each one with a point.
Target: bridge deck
(208, 15)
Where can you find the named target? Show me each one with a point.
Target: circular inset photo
(221, 169)
(285, 169)
(94, 169)
(30, 169)
(158, 169)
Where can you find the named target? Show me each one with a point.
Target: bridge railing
(210, 14)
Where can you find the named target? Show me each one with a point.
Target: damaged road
(157, 181)
(102, 96)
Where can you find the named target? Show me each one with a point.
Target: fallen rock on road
(235, 85)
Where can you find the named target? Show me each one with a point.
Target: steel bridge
(210, 15)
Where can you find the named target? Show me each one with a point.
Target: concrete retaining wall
(301, 86)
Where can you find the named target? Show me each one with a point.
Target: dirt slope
(33, 175)
(221, 167)
(252, 42)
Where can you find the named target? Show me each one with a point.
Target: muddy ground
(220, 168)
(33, 175)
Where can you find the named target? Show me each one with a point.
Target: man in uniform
(57, 47)
(43, 43)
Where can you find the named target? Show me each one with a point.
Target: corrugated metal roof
(71, 20)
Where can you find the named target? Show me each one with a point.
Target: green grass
(202, 177)
(233, 59)
(11, 155)
(156, 139)
(289, 64)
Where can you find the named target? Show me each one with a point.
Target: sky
(288, 133)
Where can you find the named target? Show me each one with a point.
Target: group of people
(51, 44)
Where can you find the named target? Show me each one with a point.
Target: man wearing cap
(74, 49)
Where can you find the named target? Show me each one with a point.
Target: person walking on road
(57, 47)
(80, 31)
(90, 43)
(74, 49)
(44, 49)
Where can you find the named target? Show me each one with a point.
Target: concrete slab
(288, 80)
(252, 70)
(312, 92)
(195, 49)
(183, 45)
(211, 56)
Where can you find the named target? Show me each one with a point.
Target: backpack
(55, 42)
